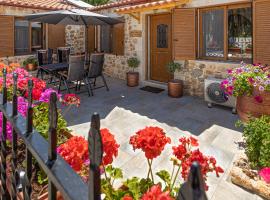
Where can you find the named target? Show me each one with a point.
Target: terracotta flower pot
(132, 79)
(248, 106)
(175, 88)
(31, 67)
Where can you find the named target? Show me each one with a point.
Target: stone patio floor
(125, 110)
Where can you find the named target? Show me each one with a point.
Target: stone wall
(194, 73)
(14, 59)
(75, 38)
(116, 65)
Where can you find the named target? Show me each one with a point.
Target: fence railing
(61, 176)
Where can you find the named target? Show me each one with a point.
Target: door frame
(148, 45)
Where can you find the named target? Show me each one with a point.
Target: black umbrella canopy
(73, 17)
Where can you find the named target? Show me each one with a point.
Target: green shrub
(41, 122)
(30, 60)
(257, 137)
(173, 67)
(133, 62)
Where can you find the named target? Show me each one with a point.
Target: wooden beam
(136, 16)
(138, 9)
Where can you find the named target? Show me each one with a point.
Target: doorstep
(155, 84)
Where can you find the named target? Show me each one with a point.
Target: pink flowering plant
(245, 79)
(41, 97)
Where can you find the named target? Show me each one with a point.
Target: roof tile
(39, 4)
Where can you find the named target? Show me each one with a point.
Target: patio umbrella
(73, 17)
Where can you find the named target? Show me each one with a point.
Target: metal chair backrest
(96, 65)
(63, 54)
(45, 56)
(76, 70)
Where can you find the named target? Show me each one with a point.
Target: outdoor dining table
(55, 67)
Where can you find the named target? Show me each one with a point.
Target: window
(105, 39)
(162, 36)
(226, 33)
(239, 33)
(36, 36)
(110, 39)
(21, 37)
(213, 33)
(28, 37)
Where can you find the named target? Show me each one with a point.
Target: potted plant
(132, 76)
(234, 48)
(30, 64)
(251, 85)
(175, 87)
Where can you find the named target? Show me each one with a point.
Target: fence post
(194, 187)
(52, 155)
(27, 189)
(14, 176)
(4, 192)
(95, 150)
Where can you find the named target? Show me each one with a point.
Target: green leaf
(164, 176)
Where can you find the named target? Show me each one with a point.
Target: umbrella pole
(86, 39)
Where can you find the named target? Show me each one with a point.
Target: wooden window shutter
(261, 32)
(184, 34)
(56, 36)
(118, 39)
(6, 36)
(91, 39)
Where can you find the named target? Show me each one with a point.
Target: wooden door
(160, 46)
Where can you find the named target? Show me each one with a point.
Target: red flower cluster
(151, 140)
(71, 99)
(74, 152)
(39, 86)
(155, 193)
(110, 146)
(187, 156)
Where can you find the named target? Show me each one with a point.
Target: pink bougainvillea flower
(265, 174)
(258, 99)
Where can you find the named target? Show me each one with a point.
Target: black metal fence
(61, 176)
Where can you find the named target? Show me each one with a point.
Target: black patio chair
(44, 57)
(63, 54)
(96, 70)
(75, 74)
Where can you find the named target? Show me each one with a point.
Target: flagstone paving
(125, 110)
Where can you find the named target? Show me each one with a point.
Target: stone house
(206, 36)
(20, 38)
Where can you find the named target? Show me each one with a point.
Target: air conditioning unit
(214, 94)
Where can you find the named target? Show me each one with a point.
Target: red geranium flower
(151, 140)
(127, 197)
(155, 193)
(74, 152)
(186, 155)
(110, 146)
(71, 99)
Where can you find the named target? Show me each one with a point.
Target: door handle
(175, 40)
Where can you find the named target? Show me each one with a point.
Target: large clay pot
(31, 67)
(175, 88)
(132, 79)
(247, 106)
